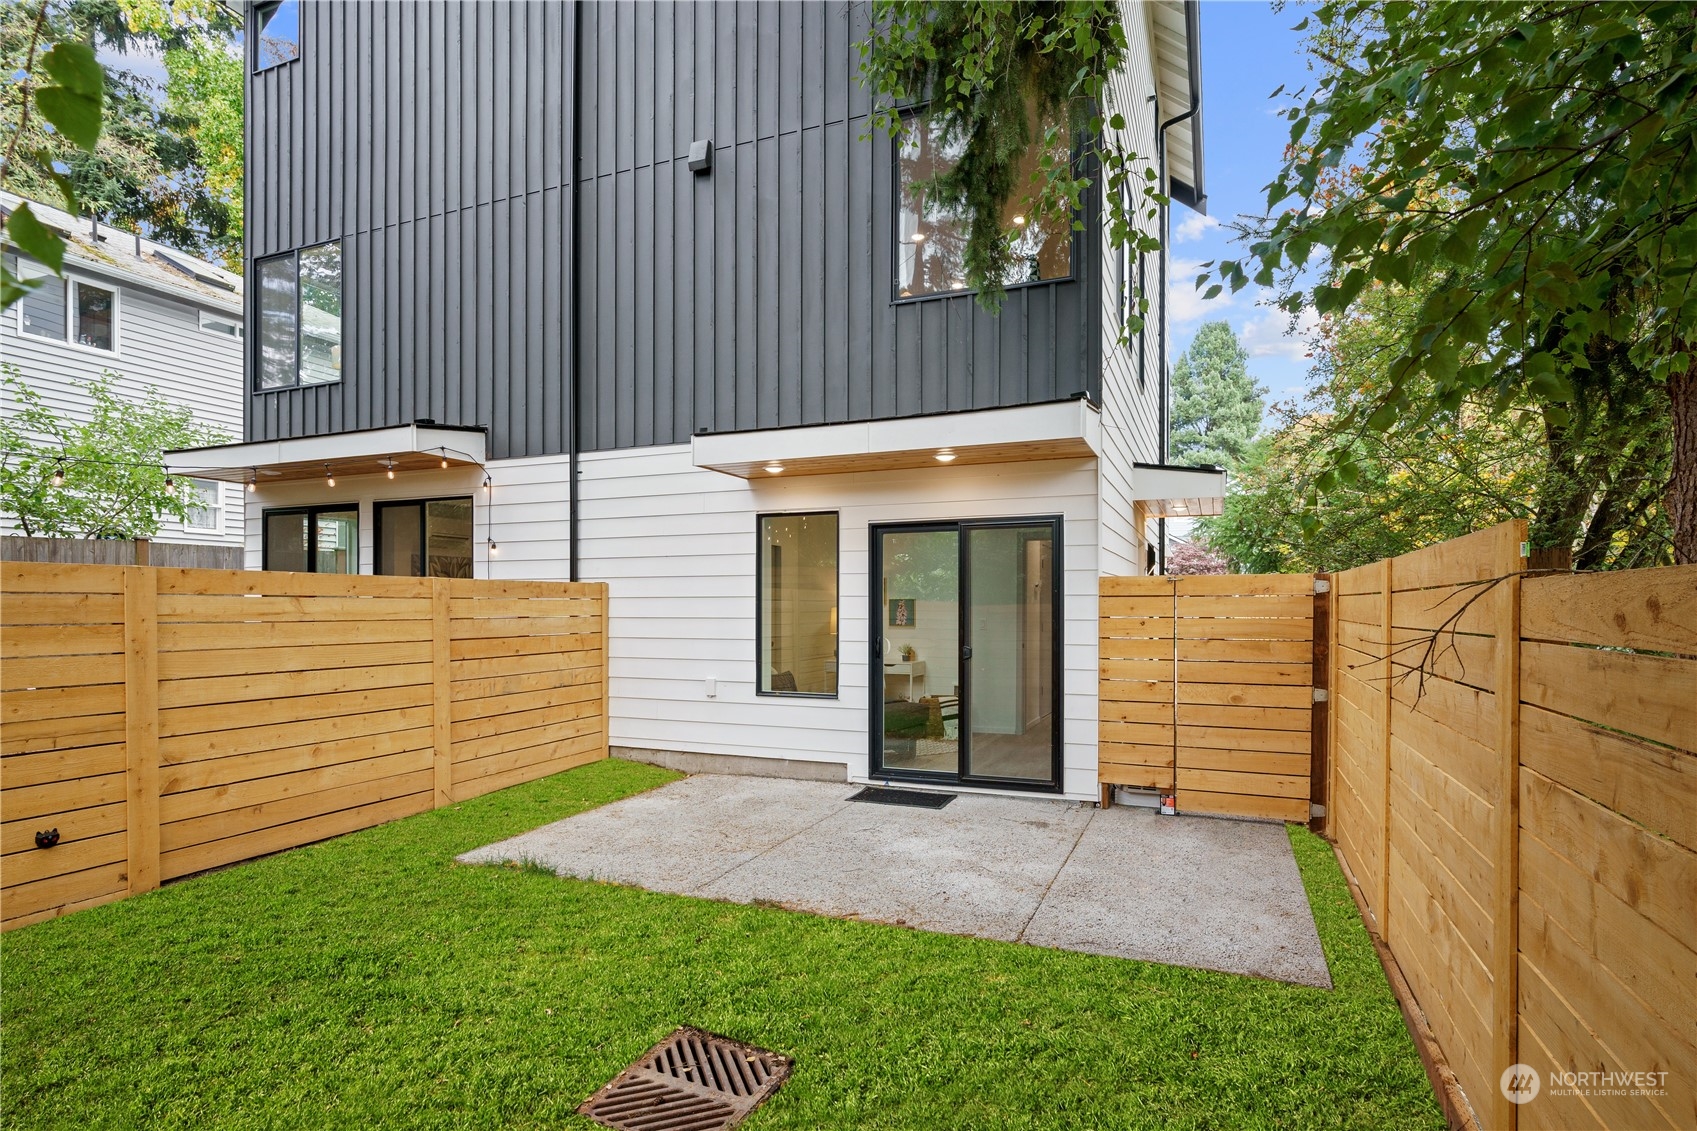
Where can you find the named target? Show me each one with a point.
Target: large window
(300, 318)
(313, 539)
(279, 34)
(428, 538)
(68, 310)
(797, 605)
(931, 237)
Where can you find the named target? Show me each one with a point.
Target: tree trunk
(1682, 484)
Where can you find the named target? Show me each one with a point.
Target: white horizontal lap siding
(527, 512)
(676, 544)
(160, 346)
(1130, 414)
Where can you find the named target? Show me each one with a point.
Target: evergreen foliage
(1217, 405)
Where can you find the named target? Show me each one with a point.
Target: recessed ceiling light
(775, 468)
(945, 455)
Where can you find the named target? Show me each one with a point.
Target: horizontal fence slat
(1653, 697)
(1243, 805)
(1654, 609)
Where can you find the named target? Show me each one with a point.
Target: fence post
(1319, 752)
(442, 713)
(1386, 572)
(606, 684)
(1505, 903)
(141, 725)
(143, 554)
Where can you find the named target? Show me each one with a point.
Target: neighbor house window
(218, 324)
(68, 310)
(313, 539)
(797, 604)
(206, 508)
(428, 538)
(931, 236)
(300, 318)
(279, 34)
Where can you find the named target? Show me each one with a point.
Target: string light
(329, 480)
(493, 549)
(58, 475)
(390, 464)
(444, 463)
(170, 484)
(488, 483)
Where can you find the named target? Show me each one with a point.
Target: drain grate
(691, 1081)
(912, 798)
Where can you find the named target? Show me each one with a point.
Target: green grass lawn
(370, 981)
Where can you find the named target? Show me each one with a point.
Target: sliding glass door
(965, 652)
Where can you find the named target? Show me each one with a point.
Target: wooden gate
(1207, 691)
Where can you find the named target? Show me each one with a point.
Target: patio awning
(1059, 430)
(372, 451)
(1167, 491)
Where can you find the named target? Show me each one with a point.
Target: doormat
(912, 798)
(691, 1081)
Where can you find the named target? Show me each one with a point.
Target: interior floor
(1025, 755)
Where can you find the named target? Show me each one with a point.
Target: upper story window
(68, 309)
(300, 318)
(279, 34)
(218, 324)
(931, 237)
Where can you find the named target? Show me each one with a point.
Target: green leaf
(36, 239)
(77, 116)
(74, 67)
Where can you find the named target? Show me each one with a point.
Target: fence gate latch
(1320, 695)
(1322, 585)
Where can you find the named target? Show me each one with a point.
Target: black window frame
(261, 13)
(379, 505)
(256, 317)
(759, 603)
(895, 223)
(311, 512)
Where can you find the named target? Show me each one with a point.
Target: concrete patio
(1188, 891)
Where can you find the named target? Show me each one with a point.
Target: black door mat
(691, 1081)
(912, 798)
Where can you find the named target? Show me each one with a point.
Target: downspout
(1191, 30)
(572, 297)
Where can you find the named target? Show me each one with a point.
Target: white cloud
(1185, 303)
(1193, 227)
(1269, 334)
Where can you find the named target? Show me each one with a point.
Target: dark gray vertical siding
(430, 139)
(433, 140)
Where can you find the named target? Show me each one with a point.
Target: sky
(1248, 50)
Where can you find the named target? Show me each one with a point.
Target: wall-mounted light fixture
(701, 156)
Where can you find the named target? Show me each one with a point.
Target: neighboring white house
(154, 316)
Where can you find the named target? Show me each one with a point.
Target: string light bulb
(390, 464)
(488, 483)
(493, 549)
(58, 475)
(170, 483)
(444, 463)
(329, 479)
(252, 486)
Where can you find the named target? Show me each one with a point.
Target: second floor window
(300, 318)
(931, 237)
(279, 34)
(68, 310)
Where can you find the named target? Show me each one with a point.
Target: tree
(102, 478)
(164, 158)
(72, 104)
(1193, 559)
(1000, 79)
(1541, 161)
(1217, 405)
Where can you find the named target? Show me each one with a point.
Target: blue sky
(1248, 50)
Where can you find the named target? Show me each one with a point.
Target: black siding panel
(433, 140)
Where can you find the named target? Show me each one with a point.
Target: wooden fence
(120, 551)
(1207, 691)
(1514, 792)
(166, 721)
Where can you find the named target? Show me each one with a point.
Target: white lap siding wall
(676, 545)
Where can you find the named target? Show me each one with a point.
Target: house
(624, 292)
(154, 316)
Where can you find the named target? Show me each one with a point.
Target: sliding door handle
(966, 651)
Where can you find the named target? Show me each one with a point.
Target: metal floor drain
(912, 798)
(691, 1081)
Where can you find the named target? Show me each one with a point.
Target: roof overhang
(372, 451)
(1059, 430)
(1178, 492)
(1175, 32)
